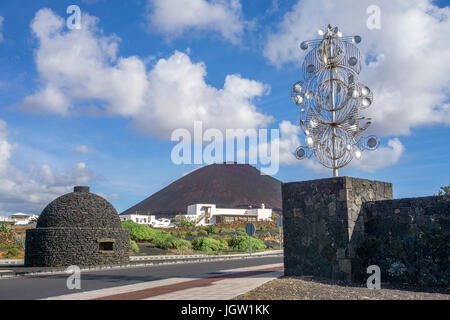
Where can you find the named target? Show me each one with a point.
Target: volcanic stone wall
(58, 247)
(319, 217)
(337, 227)
(409, 239)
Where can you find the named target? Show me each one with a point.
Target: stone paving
(222, 285)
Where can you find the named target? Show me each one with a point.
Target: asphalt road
(39, 287)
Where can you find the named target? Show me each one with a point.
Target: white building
(20, 219)
(205, 214)
(148, 220)
(139, 218)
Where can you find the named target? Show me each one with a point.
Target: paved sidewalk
(222, 285)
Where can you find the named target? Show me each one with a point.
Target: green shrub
(242, 243)
(167, 241)
(139, 232)
(203, 232)
(211, 229)
(12, 253)
(209, 245)
(5, 229)
(133, 246)
(159, 238)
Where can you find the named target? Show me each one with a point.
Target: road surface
(39, 287)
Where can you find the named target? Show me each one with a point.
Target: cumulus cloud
(1, 28)
(175, 17)
(380, 158)
(112, 197)
(406, 62)
(82, 149)
(371, 160)
(31, 191)
(178, 95)
(77, 67)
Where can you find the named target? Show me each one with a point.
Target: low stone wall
(409, 239)
(337, 227)
(58, 247)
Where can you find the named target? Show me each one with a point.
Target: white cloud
(409, 66)
(380, 158)
(370, 162)
(31, 191)
(178, 95)
(82, 149)
(175, 17)
(80, 66)
(113, 196)
(1, 28)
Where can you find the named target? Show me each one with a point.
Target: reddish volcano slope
(226, 185)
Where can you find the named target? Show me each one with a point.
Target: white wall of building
(139, 218)
(195, 211)
(148, 220)
(20, 219)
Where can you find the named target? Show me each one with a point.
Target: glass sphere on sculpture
(372, 142)
(298, 99)
(300, 153)
(366, 102)
(365, 91)
(356, 39)
(297, 88)
(352, 61)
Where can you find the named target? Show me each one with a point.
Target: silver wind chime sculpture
(330, 98)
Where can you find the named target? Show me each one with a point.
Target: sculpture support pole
(333, 118)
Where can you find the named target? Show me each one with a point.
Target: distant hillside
(226, 185)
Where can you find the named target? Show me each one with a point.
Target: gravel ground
(307, 288)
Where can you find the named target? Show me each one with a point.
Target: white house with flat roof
(20, 219)
(206, 214)
(139, 218)
(148, 220)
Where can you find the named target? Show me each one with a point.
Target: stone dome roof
(79, 209)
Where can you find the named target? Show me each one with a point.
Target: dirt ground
(307, 288)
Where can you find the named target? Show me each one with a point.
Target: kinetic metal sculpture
(330, 98)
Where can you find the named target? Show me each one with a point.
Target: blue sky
(108, 124)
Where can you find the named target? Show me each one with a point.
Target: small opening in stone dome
(106, 246)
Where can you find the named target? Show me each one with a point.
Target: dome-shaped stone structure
(78, 228)
(80, 209)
